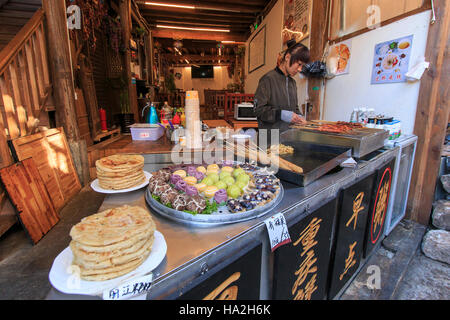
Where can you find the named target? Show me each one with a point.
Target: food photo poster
(339, 58)
(391, 60)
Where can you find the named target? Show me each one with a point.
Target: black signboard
(236, 279)
(301, 267)
(351, 227)
(379, 206)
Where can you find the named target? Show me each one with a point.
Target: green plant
(170, 83)
(235, 87)
(139, 32)
(120, 85)
(124, 102)
(240, 51)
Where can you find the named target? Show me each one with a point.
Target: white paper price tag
(130, 289)
(278, 231)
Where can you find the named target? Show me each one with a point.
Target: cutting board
(50, 152)
(27, 192)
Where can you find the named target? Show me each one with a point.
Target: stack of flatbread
(120, 171)
(112, 243)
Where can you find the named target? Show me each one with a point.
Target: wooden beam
(318, 39)
(222, 64)
(198, 15)
(169, 56)
(198, 35)
(63, 90)
(431, 117)
(59, 54)
(241, 7)
(125, 20)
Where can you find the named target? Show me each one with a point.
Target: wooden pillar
(431, 117)
(125, 20)
(318, 39)
(63, 88)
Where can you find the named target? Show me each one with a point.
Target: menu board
(339, 58)
(296, 20)
(237, 278)
(301, 267)
(391, 60)
(378, 207)
(353, 214)
(257, 50)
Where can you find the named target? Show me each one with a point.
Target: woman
(275, 98)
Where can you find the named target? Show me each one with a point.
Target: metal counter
(192, 252)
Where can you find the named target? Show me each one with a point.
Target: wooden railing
(231, 99)
(214, 101)
(24, 79)
(24, 88)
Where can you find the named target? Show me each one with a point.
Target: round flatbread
(103, 251)
(121, 183)
(118, 162)
(119, 259)
(120, 175)
(110, 275)
(112, 226)
(107, 274)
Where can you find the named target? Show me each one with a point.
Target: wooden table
(239, 124)
(125, 144)
(217, 123)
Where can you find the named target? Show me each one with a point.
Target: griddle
(362, 141)
(315, 159)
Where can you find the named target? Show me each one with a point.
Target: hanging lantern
(178, 44)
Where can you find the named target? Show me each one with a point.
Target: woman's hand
(298, 119)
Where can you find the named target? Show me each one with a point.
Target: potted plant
(170, 83)
(234, 87)
(125, 117)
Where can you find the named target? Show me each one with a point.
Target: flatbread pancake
(115, 271)
(112, 243)
(120, 171)
(102, 251)
(125, 174)
(120, 162)
(121, 183)
(119, 259)
(112, 226)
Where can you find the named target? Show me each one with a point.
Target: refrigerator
(401, 179)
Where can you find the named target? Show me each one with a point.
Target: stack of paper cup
(193, 124)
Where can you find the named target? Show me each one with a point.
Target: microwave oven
(244, 111)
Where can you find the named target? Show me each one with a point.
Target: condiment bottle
(354, 116)
(166, 113)
(103, 124)
(153, 119)
(176, 119)
(183, 119)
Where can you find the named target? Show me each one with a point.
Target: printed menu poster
(391, 60)
(296, 20)
(339, 58)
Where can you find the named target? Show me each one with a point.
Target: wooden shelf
(111, 133)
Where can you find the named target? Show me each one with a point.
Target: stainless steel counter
(193, 251)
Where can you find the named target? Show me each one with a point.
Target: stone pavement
(405, 273)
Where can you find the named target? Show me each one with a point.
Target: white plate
(64, 278)
(95, 185)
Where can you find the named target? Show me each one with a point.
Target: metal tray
(315, 159)
(221, 217)
(362, 141)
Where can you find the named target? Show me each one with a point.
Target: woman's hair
(298, 51)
